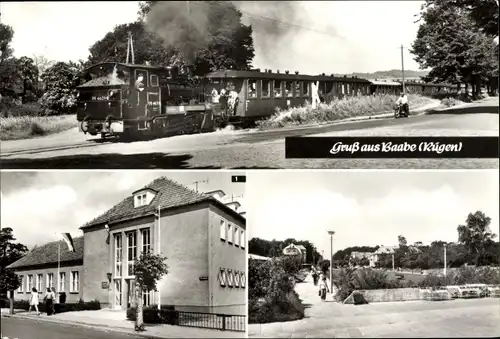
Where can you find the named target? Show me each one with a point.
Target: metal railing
(223, 322)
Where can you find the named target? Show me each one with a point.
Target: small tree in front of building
(149, 268)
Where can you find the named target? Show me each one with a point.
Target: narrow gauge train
(139, 100)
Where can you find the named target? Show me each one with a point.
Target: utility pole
(393, 261)
(403, 69)
(331, 233)
(187, 8)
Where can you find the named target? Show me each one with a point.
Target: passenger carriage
(258, 93)
(139, 100)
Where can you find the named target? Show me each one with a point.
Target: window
(39, 278)
(222, 277)
(236, 236)
(242, 239)
(21, 287)
(305, 88)
(118, 255)
(252, 89)
(154, 80)
(242, 279)
(236, 279)
(277, 88)
(132, 252)
(288, 89)
(75, 281)
(29, 283)
(141, 200)
(62, 281)
(266, 88)
(229, 234)
(50, 280)
(297, 88)
(146, 240)
(146, 298)
(223, 230)
(230, 278)
(141, 76)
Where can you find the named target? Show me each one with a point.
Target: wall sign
(203, 278)
(104, 285)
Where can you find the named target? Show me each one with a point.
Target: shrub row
(151, 315)
(59, 308)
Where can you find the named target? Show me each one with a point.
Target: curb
(82, 324)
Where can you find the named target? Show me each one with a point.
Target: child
(323, 288)
(34, 301)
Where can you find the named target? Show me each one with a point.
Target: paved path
(456, 318)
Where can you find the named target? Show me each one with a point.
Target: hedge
(59, 308)
(151, 315)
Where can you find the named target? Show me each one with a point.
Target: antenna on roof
(200, 182)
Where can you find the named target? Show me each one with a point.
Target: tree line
(475, 245)
(274, 248)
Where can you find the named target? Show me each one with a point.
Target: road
(403, 319)
(39, 329)
(252, 149)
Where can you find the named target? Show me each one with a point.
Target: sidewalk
(116, 321)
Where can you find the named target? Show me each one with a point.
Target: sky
(38, 206)
(362, 36)
(367, 207)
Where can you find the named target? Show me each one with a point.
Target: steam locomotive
(132, 100)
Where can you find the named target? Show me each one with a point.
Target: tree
(449, 42)
(60, 81)
(208, 35)
(42, 64)
(484, 13)
(476, 235)
(10, 252)
(6, 35)
(149, 268)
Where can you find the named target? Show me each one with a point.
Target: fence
(223, 322)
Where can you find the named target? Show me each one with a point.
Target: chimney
(265, 70)
(278, 71)
(296, 72)
(323, 74)
(269, 71)
(258, 69)
(287, 72)
(331, 75)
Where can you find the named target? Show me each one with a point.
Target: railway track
(50, 149)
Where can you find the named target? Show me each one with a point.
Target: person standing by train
(323, 288)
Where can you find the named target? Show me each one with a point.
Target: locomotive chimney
(296, 72)
(277, 71)
(287, 72)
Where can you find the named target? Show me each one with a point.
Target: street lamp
(445, 264)
(331, 233)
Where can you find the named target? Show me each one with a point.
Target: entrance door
(130, 292)
(118, 292)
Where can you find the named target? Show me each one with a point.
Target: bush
(271, 295)
(346, 107)
(151, 314)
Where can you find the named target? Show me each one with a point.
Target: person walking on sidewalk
(55, 301)
(49, 301)
(34, 301)
(323, 288)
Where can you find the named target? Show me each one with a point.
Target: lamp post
(331, 233)
(445, 264)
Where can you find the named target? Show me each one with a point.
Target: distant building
(39, 269)
(382, 250)
(361, 255)
(298, 250)
(258, 257)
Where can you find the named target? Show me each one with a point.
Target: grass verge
(338, 109)
(25, 127)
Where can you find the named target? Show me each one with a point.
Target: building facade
(40, 268)
(203, 239)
